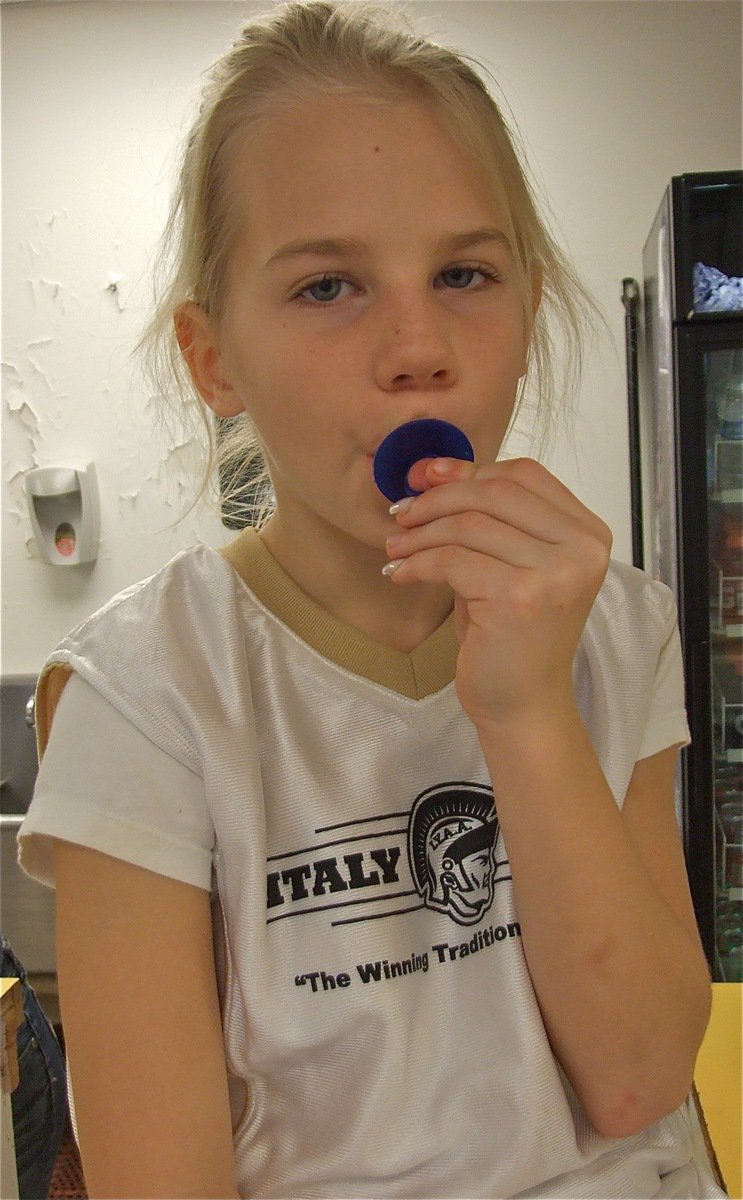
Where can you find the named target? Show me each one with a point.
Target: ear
(199, 344)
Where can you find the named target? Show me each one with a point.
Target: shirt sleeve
(667, 723)
(103, 784)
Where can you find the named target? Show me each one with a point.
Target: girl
(420, 762)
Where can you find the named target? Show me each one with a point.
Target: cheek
(290, 403)
(293, 357)
(498, 338)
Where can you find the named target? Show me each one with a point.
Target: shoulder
(633, 609)
(155, 644)
(629, 674)
(194, 572)
(190, 585)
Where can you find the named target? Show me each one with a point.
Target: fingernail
(391, 567)
(442, 466)
(402, 505)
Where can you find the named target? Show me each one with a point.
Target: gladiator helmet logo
(452, 837)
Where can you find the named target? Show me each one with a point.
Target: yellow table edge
(11, 1007)
(719, 1084)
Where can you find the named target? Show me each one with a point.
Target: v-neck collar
(425, 670)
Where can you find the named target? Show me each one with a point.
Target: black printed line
(454, 783)
(362, 821)
(379, 916)
(341, 904)
(362, 837)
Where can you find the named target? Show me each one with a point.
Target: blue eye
(324, 290)
(327, 289)
(460, 278)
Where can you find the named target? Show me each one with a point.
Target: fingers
(428, 475)
(471, 530)
(514, 513)
(471, 575)
(520, 492)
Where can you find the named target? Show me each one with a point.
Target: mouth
(410, 442)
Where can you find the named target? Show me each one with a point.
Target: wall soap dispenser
(65, 513)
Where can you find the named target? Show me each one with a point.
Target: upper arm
(650, 818)
(142, 1028)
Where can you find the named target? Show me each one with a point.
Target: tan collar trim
(426, 670)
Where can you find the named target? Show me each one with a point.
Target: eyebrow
(352, 246)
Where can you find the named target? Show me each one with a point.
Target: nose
(415, 352)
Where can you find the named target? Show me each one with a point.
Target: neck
(344, 576)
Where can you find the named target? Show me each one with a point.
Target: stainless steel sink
(26, 907)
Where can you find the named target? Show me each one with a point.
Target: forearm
(621, 983)
(143, 1030)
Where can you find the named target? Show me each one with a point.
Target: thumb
(430, 472)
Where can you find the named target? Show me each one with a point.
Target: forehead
(346, 164)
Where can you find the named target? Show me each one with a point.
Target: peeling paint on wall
(11, 374)
(20, 446)
(41, 374)
(20, 408)
(47, 290)
(114, 287)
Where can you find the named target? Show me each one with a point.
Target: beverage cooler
(685, 385)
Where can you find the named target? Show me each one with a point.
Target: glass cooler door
(723, 378)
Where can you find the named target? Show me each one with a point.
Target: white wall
(612, 99)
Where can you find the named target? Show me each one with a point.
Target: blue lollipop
(411, 442)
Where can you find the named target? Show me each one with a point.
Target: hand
(525, 559)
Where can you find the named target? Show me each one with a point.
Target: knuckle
(450, 556)
(503, 485)
(597, 555)
(605, 535)
(525, 471)
(470, 522)
(501, 490)
(526, 597)
(568, 584)
(579, 577)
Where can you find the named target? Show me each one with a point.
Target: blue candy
(407, 444)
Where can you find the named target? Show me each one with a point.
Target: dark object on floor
(68, 1181)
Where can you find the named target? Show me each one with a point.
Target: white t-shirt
(382, 1034)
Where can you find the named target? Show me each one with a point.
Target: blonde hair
(307, 47)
